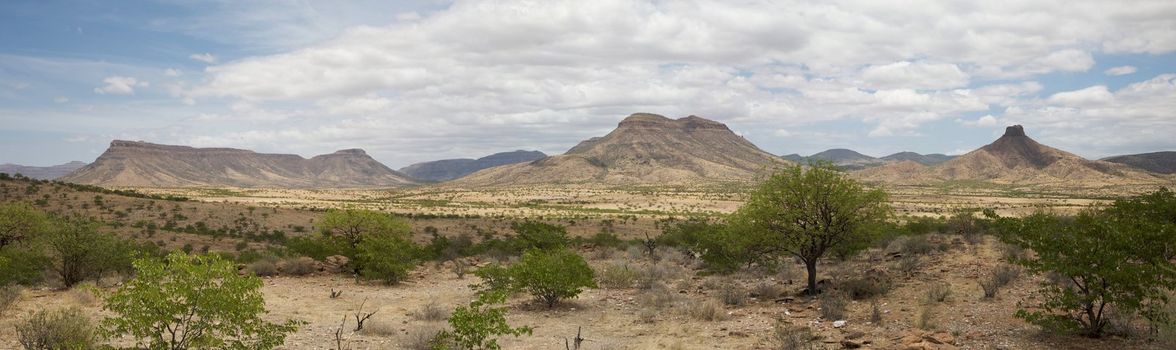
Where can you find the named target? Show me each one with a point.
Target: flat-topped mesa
(119, 146)
(350, 152)
(1015, 130)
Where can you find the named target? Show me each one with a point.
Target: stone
(839, 323)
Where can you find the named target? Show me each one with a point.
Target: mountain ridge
(449, 169)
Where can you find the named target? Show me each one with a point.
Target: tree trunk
(812, 277)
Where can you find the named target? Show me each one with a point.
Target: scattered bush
(923, 318)
(539, 235)
(431, 312)
(875, 313)
(9, 296)
(710, 310)
(20, 222)
(990, 286)
(618, 276)
(551, 276)
(909, 265)
(938, 292)
(21, 265)
(59, 329)
(790, 337)
(263, 268)
(300, 266)
(422, 338)
(864, 287)
(478, 325)
(197, 302)
(1005, 274)
(833, 306)
(731, 294)
(657, 297)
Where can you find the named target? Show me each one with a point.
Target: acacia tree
(1114, 259)
(79, 251)
(357, 226)
(807, 212)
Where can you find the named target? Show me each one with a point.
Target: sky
(412, 81)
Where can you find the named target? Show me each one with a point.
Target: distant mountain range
(449, 169)
(643, 149)
(852, 160)
(41, 172)
(1157, 162)
(131, 163)
(1014, 158)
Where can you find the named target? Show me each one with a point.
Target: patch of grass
(865, 287)
(792, 337)
(421, 338)
(767, 291)
(618, 276)
(732, 294)
(300, 266)
(938, 292)
(832, 305)
(263, 268)
(9, 296)
(431, 312)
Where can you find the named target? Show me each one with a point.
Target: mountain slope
(1157, 162)
(131, 163)
(449, 169)
(643, 149)
(924, 159)
(848, 159)
(1015, 158)
(42, 172)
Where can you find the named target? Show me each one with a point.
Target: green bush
(59, 329)
(478, 325)
(20, 265)
(21, 222)
(79, 252)
(386, 257)
(1119, 258)
(551, 276)
(539, 235)
(319, 247)
(193, 302)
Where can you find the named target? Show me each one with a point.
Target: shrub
(386, 257)
(478, 325)
(1005, 274)
(20, 222)
(618, 276)
(59, 329)
(833, 306)
(424, 338)
(709, 310)
(605, 240)
(300, 266)
(923, 318)
(539, 235)
(790, 337)
(198, 302)
(9, 295)
(909, 265)
(767, 291)
(990, 286)
(864, 287)
(551, 276)
(918, 245)
(732, 294)
(263, 268)
(431, 312)
(938, 292)
(20, 265)
(319, 247)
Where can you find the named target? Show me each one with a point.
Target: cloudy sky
(422, 80)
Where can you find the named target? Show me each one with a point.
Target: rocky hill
(42, 172)
(643, 149)
(449, 169)
(1156, 162)
(1015, 158)
(142, 164)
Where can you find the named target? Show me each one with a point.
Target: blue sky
(412, 81)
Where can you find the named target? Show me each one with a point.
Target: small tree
(193, 302)
(553, 275)
(478, 325)
(386, 257)
(80, 252)
(809, 212)
(1113, 259)
(353, 224)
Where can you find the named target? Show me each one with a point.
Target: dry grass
(300, 266)
(431, 312)
(263, 268)
(732, 294)
(9, 296)
(379, 328)
(767, 291)
(792, 337)
(710, 310)
(617, 276)
(420, 338)
(833, 305)
(938, 292)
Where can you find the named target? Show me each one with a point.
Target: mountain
(449, 169)
(1014, 158)
(643, 149)
(1156, 162)
(847, 159)
(42, 172)
(136, 163)
(924, 159)
(795, 158)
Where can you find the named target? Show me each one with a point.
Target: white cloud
(914, 75)
(204, 57)
(986, 121)
(119, 85)
(1120, 70)
(172, 72)
(1094, 95)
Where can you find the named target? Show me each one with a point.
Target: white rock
(838, 323)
